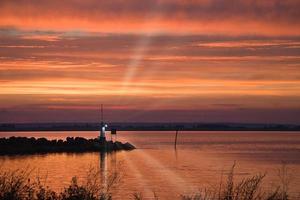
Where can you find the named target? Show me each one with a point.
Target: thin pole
(102, 113)
(176, 139)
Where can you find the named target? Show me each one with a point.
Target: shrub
(16, 185)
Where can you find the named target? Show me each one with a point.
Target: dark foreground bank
(24, 145)
(16, 185)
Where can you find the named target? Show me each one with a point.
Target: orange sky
(150, 60)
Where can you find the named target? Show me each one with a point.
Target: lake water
(198, 162)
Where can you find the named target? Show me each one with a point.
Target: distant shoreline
(25, 145)
(23, 127)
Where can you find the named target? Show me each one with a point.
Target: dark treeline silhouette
(24, 145)
(147, 126)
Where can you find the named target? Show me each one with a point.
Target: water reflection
(103, 168)
(176, 154)
(198, 161)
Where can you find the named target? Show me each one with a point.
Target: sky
(150, 61)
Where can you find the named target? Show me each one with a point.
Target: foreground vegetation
(24, 145)
(247, 189)
(16, 185)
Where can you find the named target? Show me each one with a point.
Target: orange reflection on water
(198, 162)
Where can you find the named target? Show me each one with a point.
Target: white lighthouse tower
(102, 136)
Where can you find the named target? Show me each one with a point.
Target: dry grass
(16, 185)
(246, 189)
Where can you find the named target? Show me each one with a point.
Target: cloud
(203, 16)
(172, 65)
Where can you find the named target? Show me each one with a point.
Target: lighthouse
(103, 126)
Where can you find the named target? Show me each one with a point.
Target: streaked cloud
(201, 16)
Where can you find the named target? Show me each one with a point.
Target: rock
(127, 146)
(118, 146)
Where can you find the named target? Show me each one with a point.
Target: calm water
(155, 166)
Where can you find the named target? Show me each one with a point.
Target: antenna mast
(102, 113)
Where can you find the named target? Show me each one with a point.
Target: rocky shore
(24, 145)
